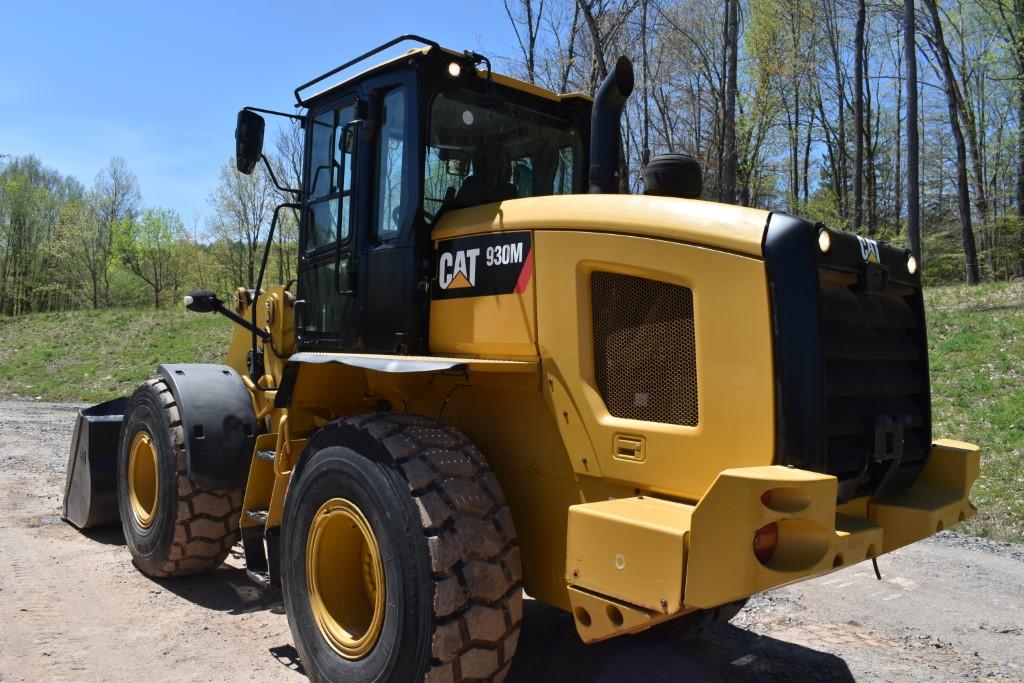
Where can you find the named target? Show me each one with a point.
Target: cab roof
(431, 48)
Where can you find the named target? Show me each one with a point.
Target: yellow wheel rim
(143, 479)
(345, 578)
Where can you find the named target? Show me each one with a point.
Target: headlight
(824, 240)
(911, 264)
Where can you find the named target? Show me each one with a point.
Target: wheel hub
(143, 479)
(345, 578)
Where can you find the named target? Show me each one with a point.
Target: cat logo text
(457, 269)
(483, 265)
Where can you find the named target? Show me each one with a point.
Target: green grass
(976, 337)
(91, 356)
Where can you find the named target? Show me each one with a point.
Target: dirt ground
(72, 607)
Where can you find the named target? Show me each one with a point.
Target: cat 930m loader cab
(495, 373)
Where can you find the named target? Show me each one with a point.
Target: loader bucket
(90, 493)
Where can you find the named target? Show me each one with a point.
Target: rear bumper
(634, 562)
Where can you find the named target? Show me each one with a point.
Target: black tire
(692, 624)
(452, 572)
(192, 528)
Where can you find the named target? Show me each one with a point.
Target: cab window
(330, 179)
(390, 153)
(479, 152)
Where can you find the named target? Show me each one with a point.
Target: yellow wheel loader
(496, 374)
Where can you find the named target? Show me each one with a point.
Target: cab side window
(330, 179)
(390, 153)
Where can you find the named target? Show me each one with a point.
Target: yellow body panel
(500, 326)
(665, 557)
(717, 226)
(939, 499)
(599, 617)
(733, 356)
(631, 549)
(625, 522)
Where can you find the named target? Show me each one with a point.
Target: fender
(219, 423)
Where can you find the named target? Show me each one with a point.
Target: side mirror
(202, 302)
(248, 140)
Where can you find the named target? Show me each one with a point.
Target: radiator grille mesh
(644, 355)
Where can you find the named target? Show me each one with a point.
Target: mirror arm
(294, 117)
(255, 372)
(273, 178)
(239, 320)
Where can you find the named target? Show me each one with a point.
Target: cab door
(326, 244)
(393, 281)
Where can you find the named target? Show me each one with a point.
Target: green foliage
(151, 248)
(65, 248)
(977, 369)
(1000, 251)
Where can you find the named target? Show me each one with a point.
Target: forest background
(902, 121)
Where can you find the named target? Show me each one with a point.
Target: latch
(628, 447)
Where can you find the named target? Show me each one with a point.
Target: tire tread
(474, 550)
(206, 526)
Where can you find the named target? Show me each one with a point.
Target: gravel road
(72, 607)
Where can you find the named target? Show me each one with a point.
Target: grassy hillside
(976, 336)
(977, 362)
(91, 356)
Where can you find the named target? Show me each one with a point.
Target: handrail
(253, 371)
(391, 43)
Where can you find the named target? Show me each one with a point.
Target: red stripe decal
(525, 273)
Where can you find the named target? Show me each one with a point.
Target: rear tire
(172, 527)
(436, 522)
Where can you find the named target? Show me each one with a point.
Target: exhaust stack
(605, 140)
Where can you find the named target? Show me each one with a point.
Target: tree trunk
(645, 152)
(1020, 114)
(807, 157)
(858, 118)
(913, 152)
(898, 166)
(871, 126)
(963, 191)
(729, 128)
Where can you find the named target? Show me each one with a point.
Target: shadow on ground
(549, 650)
(225, 589)
(107, 535)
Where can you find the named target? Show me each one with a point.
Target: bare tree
(524, 14)
(858, 118)
(732, 22)
(945, 70)
(242, 206)
(115, 198)
(913, 153)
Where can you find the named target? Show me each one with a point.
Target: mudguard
(219, 423)
(90, 492)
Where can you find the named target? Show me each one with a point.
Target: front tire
(172, 527)
(399, 556)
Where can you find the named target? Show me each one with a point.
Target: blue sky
(160, 83)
